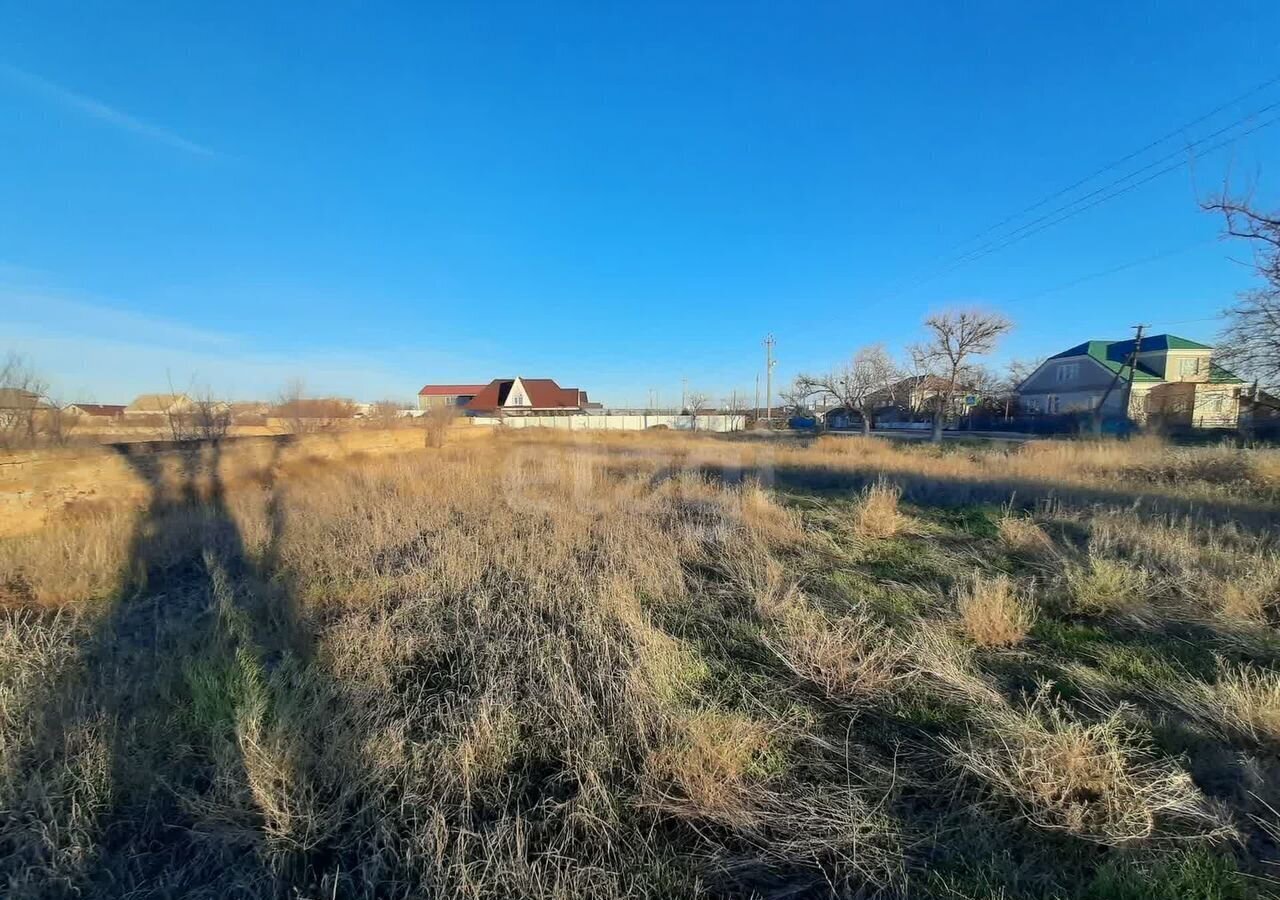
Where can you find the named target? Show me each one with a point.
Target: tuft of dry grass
(1022, 535)
(878, 515)
(1095, 781)
(1245, 700)
(713, 766)
(994, 612)
(851, 659)
(1104, 586)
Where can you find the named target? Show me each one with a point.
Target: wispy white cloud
(99, 352)
(102, 112)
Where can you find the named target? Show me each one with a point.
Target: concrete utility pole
(755, 410)
(684, 393)
(1133, 363)
(769, 363)
(1115, 379)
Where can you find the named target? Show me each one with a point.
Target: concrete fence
(620, 423)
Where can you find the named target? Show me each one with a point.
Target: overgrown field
(653, 666)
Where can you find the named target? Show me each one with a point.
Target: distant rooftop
(449, 390)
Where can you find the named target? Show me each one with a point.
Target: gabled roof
(542, 393)
(449, 390)
(100, 409)
(156, 402)
(1113, 355)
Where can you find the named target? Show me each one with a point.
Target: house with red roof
(434, 396)
(528, 397)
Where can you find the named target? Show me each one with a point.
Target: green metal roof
(1113, 355)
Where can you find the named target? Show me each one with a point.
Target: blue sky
(373, 196)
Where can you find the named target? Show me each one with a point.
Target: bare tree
(858, 386)
(22, 395)
(1250, 342)
(386, 413)
(290, 405)
(210, 418)
(735, 405)
(954, 338)
(1016, 372)
(795, 398)
(439, 420)
(694, 401)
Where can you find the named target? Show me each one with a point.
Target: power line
(1256, 89)
(1021, 234)
(1155, 257)
(1118, 162)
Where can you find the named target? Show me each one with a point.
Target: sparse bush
(993, 613)
(439, 420)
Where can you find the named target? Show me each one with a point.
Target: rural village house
(1171, 380)
(159, 405)
(97, 410)
(435, 396)
(526, 396)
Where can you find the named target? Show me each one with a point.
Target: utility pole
(769, 363)
(1133, 363)
(1115, 379)
(684, 394)
(755, 410)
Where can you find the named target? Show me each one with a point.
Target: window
(1053, 404)
(1068, 372)
(1189, 366)
(1215, 405)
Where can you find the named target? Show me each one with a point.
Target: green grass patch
(1190, 875)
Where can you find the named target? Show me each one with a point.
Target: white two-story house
(1172, 381)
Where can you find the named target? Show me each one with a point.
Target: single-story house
(1170, 380)
(433, 396)
(97, 410)
(526, 396)
(19, 400)
(159, 405)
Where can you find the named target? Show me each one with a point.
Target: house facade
(521, 396)
(97, 410)
(1170, 381)
(435, 396)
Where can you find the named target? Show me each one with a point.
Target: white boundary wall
(618, 423)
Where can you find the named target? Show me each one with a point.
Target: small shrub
(993, 612)
(878, 515)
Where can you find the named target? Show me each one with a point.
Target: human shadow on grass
(168, 713)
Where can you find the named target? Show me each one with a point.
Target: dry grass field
(555, 666)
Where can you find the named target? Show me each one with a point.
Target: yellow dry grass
(551, 666)
(994, 612)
